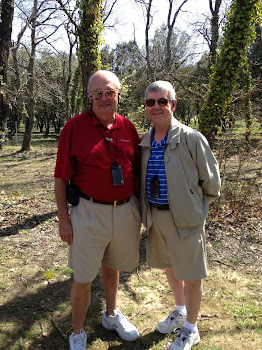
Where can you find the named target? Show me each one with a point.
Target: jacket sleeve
(209, 177)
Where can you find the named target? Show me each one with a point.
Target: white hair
(161, 85)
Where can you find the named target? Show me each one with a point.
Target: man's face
(160, 114)
(104, 107)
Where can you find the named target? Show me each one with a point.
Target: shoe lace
(78, 341)
(121, 318)
(172, 316)
(183, 335)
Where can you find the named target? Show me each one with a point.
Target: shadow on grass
(114, 342)
(27, 312)
(31, 157)
(29, 315)
(28, 223)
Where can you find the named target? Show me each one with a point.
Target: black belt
(160, 206)
(114, 203)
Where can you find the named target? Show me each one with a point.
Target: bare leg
(193, 295)
(176, 286)
(80, 300)
(110, 279)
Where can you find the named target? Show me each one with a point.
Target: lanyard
(106, 140)
(116, 169)
(163, 154)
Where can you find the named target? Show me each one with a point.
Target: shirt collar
(97, 122)
(154, 143)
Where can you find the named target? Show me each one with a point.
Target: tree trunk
(29, 124)
(20, 105)
(7, 11)
(89, 37)
(214, 30)
(148, 24)
(67, 81)
(247, 105)
(170, 27)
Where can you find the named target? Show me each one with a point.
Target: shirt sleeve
(64, 168)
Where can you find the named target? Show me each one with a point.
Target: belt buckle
(115, 203)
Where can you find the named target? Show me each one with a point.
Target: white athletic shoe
(78, 341)
(174, 321)
(119, 323)
(185, 340)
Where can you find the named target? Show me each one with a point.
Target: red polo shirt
(87, 149)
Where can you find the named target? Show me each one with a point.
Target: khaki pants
(166, 249)
(104, 233)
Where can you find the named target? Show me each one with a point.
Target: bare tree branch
(105, 17)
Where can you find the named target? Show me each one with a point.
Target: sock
(181, 309)
(192, 327)
(111, 315)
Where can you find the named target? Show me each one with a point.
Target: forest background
(43, 83)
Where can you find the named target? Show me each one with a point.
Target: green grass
(64, 271)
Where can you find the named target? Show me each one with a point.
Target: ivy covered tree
(89, 32)
(239, 31)
(88, 26)
(232, 59)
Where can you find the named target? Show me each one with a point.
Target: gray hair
(110, 75)
(163, 86)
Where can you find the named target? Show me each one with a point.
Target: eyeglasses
(97, 95)
(161, 101)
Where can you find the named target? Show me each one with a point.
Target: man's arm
(65, 226)
(208, 170)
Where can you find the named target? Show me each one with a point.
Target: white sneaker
(185, 340)
(78, 341)
(174, 321)
(119, 323)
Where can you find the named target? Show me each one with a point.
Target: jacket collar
(173, 135)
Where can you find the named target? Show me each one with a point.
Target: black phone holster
(72, 194)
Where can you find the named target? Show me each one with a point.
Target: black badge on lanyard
(117, 174)
(154, 187)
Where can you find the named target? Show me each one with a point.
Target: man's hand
(66, 230)
(65, 226)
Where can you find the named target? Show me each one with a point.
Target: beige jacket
(192, 176)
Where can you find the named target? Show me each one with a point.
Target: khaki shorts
(104, 233)
(166, 249)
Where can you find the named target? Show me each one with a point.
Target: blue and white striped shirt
(156, 167)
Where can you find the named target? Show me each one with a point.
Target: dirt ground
(35, 281)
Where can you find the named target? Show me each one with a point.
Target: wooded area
(44, 86)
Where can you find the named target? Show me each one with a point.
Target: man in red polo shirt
(98, 155)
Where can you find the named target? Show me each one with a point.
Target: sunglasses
(97, 95)
(161, 101)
